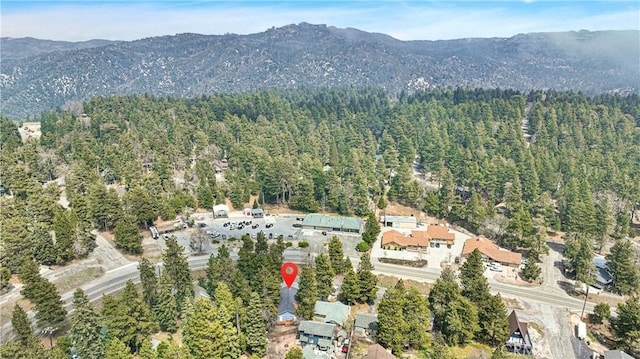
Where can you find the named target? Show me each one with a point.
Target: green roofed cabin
(332, 223)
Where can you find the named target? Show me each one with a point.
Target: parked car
(226, 224)
(224, 236)
(297, 225)
(269, 225)
(324, 233)
(255, 226)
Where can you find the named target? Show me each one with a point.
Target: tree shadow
(557, 247)
(569, 288)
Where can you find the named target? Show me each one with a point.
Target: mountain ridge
(317, 56)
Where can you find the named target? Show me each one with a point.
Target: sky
(405, 20)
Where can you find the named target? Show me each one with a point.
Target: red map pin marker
(289, 273)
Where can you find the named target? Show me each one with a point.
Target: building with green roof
(332, 223)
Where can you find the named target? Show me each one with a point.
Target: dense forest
(574, 166)
(509, 165)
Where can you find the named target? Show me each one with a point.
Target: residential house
(404, 222)
(366, 325)
(518, 341)
(440, 235)
(220, 165)
(327, 312)
(616, 354)
(491, 251)
(318, 335)
(286, 307)
(603, 278)
(377, 351)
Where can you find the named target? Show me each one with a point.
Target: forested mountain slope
(20, 48)
(579, 173)
(307, 55)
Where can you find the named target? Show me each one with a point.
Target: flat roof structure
(332, 223)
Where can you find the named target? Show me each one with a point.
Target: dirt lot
(386, 281)
(281, 339)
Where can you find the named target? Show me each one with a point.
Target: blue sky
(405, 20)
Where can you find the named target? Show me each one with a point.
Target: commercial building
(332, 223)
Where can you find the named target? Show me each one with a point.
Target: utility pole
(48, 331)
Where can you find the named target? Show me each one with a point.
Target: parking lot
(281, 224)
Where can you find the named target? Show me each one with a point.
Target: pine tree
(626, 278)
(177, 267)
(85, 328)
(127, 236)
(336, 255)
(22, 325)
(392, 326)
(204, 332)
(166, 308)
(350, 287)
(626, 327)
(307, 293)
(149, 282)
(146, 351)
(324, 275)
(531, 271)
(50, 310)
(256, 332)
(474, 284)
(117, 350)
(493, 321)
(141, 314)
(416, 314)
(220, 268)
(601, 311)
(226, 315)
(367, 279)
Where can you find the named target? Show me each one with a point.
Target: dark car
(324, 233)
(255, 226)
(269, 225)
(297, 225)
(226, 224)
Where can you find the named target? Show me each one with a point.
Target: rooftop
(335, 312)
(398, 219)
(320, 220)
(368, 321)
(377, 351)
(491, 250)
(317, 329)
(440, 232)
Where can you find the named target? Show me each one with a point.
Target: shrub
(288, 244)
(362, 247)
(303, 244)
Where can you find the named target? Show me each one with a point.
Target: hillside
(307, 55)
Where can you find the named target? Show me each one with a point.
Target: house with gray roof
(603, 279)
(366, 324)
(328, 312)
(286, 307)
(316, 334)
(332, 223)
(616, 354)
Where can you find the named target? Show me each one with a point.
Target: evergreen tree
(350, 287)
(499, 353)
(579, 252)
(146, 351)
(324, 275)
(177, 267)
(165, 307)
(126, 235)
(85, 328)
(531, 271)
(371, 229)
(117, 350)
(601, 311)
(474, 284)
(204, 337)
(392, 326)
(307, 292)
(220, 268)
(226, 315)
(336, 255)
(626, 327)
(439, 349)
(22, 325)
(626, 278)
(149, 282)
(367, 280)
(256, 332)
(416, 314)
(141, 314)
(493, 321)
(294, 353)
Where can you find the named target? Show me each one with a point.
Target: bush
(288, 244)
(362, 247)
(303, 244)
(215, 241)
(232, 239)
(600, 312)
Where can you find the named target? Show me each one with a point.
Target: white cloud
(403, 20)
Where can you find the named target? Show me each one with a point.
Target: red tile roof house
(491, 251)
(418, 240)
